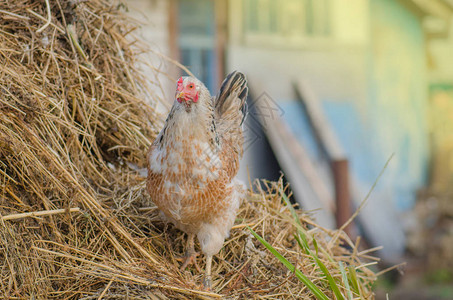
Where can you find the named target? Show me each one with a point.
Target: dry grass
(76, 221)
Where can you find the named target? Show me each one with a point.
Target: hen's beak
(180, 96)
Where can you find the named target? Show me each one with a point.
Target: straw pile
(76, 221)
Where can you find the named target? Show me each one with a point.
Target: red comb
(180, 84)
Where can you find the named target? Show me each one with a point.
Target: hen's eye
(191, 86)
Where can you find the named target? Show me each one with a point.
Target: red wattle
(195, 99)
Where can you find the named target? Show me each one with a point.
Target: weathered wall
(335, 68)
(397, 99)
(441, 112)
(371, 77)
(153, 16)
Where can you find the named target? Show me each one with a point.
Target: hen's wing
(231, 110)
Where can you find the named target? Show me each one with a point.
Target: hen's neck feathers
(195, 122)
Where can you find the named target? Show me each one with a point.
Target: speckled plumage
(193, 162)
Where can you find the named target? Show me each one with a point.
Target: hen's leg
(207, 276)
(191, 255)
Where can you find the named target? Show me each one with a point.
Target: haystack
(76, 222)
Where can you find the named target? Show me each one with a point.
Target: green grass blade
(332, 282)
(291, 208)
(303, 243)
(353, 278)
(302, 240)
(304, 279)
(345, 280)
(315, 244)
(297, 221)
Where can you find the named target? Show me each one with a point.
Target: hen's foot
(189, 259)
(207, 283)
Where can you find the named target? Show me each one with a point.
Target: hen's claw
(189, 259)
(191, 255)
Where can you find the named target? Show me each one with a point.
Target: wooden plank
(302, 160)
(309, 188)
(340, 170)
(379, 220)
(328, 141)
(325, 135)
(173, 31)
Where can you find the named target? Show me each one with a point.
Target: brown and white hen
(194, 160)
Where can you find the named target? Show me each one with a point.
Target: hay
(76, 221)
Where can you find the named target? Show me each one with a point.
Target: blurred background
(340, 92)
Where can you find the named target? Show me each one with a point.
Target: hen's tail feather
(232, 98)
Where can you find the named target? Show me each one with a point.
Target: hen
(193, 162)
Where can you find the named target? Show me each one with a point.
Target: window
(197, 40)
(286, 21)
